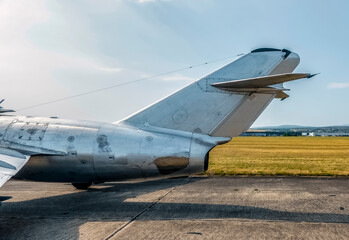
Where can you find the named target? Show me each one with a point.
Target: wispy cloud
(178, 77)
(170, 78)
(338, 85)
(106, 69)
(145, 1)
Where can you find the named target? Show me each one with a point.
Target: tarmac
(184, 208)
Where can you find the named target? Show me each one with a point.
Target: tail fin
(207, 108)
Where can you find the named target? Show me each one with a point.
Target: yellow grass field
(308, 156)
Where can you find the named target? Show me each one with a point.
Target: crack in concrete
(146, 209)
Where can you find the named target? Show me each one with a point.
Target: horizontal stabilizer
(261, 82)
(281, 95)
(258, 90)
(3, 110)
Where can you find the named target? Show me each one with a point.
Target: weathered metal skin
(72, 151)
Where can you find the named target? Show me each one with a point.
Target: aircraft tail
(226, 102)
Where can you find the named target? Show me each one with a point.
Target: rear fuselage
(83, 151)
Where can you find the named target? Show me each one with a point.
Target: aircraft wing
(11, 162)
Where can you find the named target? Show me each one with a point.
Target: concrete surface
(187, 208)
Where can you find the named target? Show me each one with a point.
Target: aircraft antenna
(126, 83)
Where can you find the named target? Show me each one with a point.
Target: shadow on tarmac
(118, 202)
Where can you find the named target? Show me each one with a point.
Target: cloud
(48, 72)
(338, 85)
(169, 78)
(178, 77)
(145, 1)
(106, 69)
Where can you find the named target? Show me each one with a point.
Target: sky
(55, 49)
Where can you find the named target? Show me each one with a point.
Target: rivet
(71, 139)
(149, 138)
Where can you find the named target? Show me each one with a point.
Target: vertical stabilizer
(203, 108)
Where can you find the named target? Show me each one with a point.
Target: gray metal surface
(69, 151)
(194, 208)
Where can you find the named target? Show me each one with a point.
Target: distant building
(259, 134)
(332, 131)
(309, 134)
(269, 133)
(336, 134)
(325, 134)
